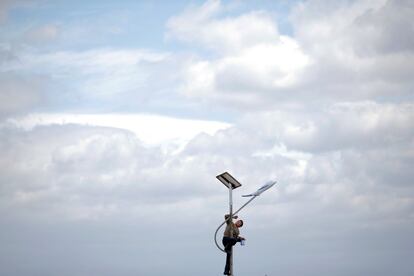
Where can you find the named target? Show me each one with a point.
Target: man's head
(239, 223)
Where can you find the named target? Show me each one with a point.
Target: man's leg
(228, 260)
(228, 247)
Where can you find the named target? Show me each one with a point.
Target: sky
(116, 116)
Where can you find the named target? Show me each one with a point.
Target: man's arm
(228, 219)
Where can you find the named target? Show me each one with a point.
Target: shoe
(226, 273)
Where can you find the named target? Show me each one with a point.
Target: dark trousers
(228, 247)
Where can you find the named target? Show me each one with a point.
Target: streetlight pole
(231, 183)
(231, 229)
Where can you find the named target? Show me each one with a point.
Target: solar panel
(228, 180)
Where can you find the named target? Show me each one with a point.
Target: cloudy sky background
(115, 118)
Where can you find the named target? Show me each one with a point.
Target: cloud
(116, 78)
(253, 59)
(348, 44)
(68, 168)
(203, 25)
(336, 52)
(367, 28)
(151, 129)
(85, 172)
(94, 161)
(359, 125)
(89, 176)
(351, 158)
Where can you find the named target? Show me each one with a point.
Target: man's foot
(226, 272)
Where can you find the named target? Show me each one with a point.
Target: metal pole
(231, 229)
(230, 200)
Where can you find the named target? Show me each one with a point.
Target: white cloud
(151, 129)
(263, 67)
(253, 59)
(336, 52)
(223, 34)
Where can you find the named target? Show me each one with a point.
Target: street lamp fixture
(231, 183)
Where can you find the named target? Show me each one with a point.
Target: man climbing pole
(230, 238)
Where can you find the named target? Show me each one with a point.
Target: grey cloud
(89, 191)
(387, 30)
(83, 172)
(351, 153)
(356, 125)
(92, 165)
(350, 44)
(360, 125)
(103, 191)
